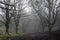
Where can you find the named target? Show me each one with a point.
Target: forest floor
(54, 35)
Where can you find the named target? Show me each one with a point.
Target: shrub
(11, 37)
(4, 37)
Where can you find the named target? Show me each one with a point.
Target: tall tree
(51, 13)
(18, 13)
(37, 6)
(7, 4)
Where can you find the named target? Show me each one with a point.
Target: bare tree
(7, 4)
(52, 14)
(18, 13)
(38, 9)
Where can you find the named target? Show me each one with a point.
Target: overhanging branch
(6, 4)
(5, 8)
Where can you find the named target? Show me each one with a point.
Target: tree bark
(7, 20)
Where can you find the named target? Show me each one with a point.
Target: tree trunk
(16, 29)
(7, 28)
(50, 28)
(7, 20)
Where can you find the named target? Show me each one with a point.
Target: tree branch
(2, 22)
(6, 4)
(2, 17)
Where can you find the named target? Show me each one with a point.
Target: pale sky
(28, 9)
(25, 3)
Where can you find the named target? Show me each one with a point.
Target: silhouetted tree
(52, 8)
(38, 9)
(53, 13)
(18, 13)
(7, 14)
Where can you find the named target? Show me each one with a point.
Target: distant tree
(38, 9)
(18, 13)
(16, 18)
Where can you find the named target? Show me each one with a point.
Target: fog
(29, 20)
